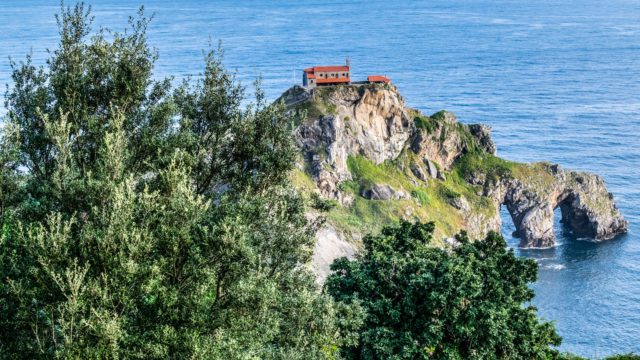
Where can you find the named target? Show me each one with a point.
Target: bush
(422, 302)
(322, 204)
(424, 123)
(447, 193)
(629, 356)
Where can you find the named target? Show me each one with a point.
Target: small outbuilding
(378, 79)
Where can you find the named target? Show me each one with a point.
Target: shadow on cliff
(570, 248)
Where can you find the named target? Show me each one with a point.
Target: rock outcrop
(331, 244)
(587, 207)
(483, 133)
(443, 140)
(367, 121)
(438, 169)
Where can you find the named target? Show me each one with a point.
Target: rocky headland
(368, 160)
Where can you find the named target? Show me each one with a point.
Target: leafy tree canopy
(145, 221)
(468, 302)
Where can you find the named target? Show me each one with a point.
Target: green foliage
(469, 302)
(430, 200)
(10, 176)
(368, 174)
(447, 193)
(630, 356)
(424, 123)
(537, 175)
(319, 203)
(318, 105)
(439, 116)
(492, 166)
(86, 84)
(423, 198)
(151, 222)
(309, 110)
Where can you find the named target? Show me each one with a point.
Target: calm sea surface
(557, 80)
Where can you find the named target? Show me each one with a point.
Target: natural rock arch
(586, 206)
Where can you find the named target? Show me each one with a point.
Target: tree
(151, 222)
(85, 84)
(9, 172)
(468, 302)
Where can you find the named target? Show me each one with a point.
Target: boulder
(330, 245)
(461, 204)
(418, 172)
(433, 170)
(384, 192)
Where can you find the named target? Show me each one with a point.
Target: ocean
(557, 80)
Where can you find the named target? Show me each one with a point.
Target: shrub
(322, 204)
(423, 302)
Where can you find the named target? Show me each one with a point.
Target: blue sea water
(558, 80)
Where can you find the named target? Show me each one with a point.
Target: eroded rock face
(368, 121)
(483, 133)
(439, 145)
(587, 207)
(330, 245)
(531, 214)
(443, 143)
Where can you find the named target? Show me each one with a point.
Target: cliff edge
(367, 160)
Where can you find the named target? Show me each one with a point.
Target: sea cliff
(368, 160)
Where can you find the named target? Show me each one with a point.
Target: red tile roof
(378, 78)
(310, 76)
(330, 68)
(316, 69)
(333, 80)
